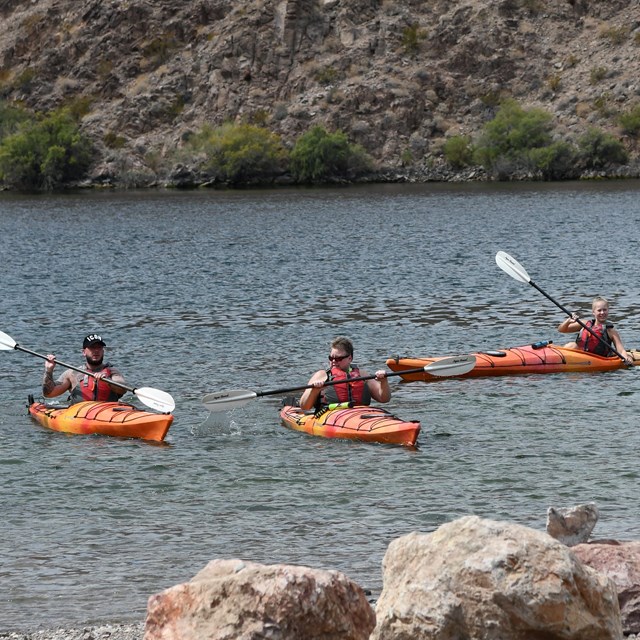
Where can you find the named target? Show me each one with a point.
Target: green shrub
(512, 134)
(604, 104)
(491, 99)
(555, 161)
(10, 119)
(45, 154)
(406, 158)
(79, 106)
(319, 156)
(458, 151)
(599, 149)
(411, 38)
(241, 153)
(114, 140)
(630, 121)
(326, 75)
(597, 74)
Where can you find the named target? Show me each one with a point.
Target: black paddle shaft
(70, 366)
(329, 383)
(582, 324)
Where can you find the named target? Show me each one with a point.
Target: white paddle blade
(227, 400)
(454, 366)
(7, 343)
(156, 399)
(512, 267)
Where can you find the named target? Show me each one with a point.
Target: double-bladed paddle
(154, 398)
(227, 400)
(511, 266)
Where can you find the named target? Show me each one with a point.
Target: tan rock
(619, 561)
(481, 579)
(236, 600)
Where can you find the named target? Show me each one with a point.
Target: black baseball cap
(91, 339)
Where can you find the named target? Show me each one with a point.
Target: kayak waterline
(540, 357)
(363, 423)
(102, 418)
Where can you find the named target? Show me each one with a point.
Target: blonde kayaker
(341, 367)
(599, 325)
(82, 386)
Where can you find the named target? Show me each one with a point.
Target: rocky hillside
(397, 76)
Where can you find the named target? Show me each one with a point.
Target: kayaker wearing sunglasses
(341, 367)
(83, 386)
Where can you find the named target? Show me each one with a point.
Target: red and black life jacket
(88, 388)
(353, 392)
(588, 342)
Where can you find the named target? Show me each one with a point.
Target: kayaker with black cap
(341, 367)
(82, 386)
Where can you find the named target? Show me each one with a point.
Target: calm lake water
(205, 291)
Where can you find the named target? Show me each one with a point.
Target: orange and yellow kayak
(370, 424)
(541, 357)
(104, 418)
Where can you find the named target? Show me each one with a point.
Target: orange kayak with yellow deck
(541, 357)
(369, 424)
(103, 418)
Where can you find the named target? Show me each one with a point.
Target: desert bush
(604, 104)
(597, 74)
(241, 153)
(615, 35)
(10, 119)
(458, 151)
(45, 154)
(512, 133)
(319, 156)
(412, 36)
(599, 149)
(554, 82)
(326, 75)
(555, 161)
(630, 121)
(25, 80)
(114, 140)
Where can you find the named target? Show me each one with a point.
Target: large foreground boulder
(620, 561)
(236, 600)
(484, 580)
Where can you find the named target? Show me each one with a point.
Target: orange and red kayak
(103, 418)
(543, 357)
(370, 424)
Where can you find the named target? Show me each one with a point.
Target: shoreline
(112, 631)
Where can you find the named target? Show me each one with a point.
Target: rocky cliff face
(397, 76)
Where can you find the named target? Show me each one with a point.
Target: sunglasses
(338, 358)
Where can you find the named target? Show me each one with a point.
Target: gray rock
(572, 525)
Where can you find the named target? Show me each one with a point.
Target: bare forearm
(308, 398)
(569, 326)
(50, 388)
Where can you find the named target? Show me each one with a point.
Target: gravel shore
(131, 631)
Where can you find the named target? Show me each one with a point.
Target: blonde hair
(598, 299)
